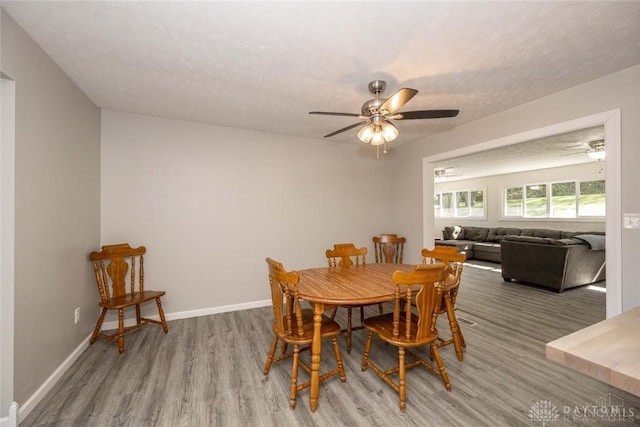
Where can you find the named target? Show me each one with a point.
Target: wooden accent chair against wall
(346, 255)
(293, 325)
(406, 329)
(453, 261)
(389, 248)
(111, 266)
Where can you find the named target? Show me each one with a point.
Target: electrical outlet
(76, 314)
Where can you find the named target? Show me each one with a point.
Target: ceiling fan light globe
(597, 155)
(377, 138)
(389, 131)
(365, 134)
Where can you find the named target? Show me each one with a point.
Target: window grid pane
(536, 200)
(592, 200)
(563, 199)
(513, 202)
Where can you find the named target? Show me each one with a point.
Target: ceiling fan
(596, 150)
(440, 174)
(377, 115)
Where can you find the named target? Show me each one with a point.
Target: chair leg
(380, 308)
(367, 350)
(294, 377)
(121, 330)
(138, 317)
(96, 330)
(348, 335)
(402, 379)
(336, 350)
(455, 328)
(161, 313)
(441, 369)
(272, 351)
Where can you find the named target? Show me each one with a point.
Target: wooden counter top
(608, 350)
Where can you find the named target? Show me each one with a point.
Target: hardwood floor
(208, 372)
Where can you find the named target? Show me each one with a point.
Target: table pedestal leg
(316, 348)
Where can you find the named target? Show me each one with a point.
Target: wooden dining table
(353, 285)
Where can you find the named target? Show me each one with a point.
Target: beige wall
(616, 91)
(493, 185)
(57, 210)
(211, 203)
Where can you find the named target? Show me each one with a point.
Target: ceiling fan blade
(425, 114)
(329, 113)
(397, 100)
(347, 128)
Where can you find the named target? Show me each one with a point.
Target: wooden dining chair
(345, 255)
(454, 262)
(389, 248)
(293, 325)
(406, 328)
(111, 266)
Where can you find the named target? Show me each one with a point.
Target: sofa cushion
(455, 232)
(477, 234)
(496, 234)
(486, 247)
(541, 232)
(544, 240)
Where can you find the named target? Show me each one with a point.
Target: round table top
(361, 284)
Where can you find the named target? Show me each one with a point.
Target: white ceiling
(265, 65)
(558, 150)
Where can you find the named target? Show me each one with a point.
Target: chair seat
(383, 326)
(128, 300)
(329, 328)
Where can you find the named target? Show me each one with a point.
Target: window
(592, 199)
(569, 199)
(460, 204)
(514, 202)
(535, 203)
(477, 203)
(447, 204)
(563, 199)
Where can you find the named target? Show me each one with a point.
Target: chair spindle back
(111, 266)
(287, 311)
(389, 248)
(342, 253)
(422, 288)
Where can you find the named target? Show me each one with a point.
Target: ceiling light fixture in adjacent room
(596, 150)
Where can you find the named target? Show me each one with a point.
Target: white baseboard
(51, 381)
(36, 397)
(194, 313)
(12, 419)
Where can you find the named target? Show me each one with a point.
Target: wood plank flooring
(207, 371)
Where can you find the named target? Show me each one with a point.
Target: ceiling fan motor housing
(371, 106)
(377, 86)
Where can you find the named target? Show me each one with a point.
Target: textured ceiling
(558, 150)
(265, 65)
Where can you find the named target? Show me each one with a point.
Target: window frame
(454, 203)
(549, 204)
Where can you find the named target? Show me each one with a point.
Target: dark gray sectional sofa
(554, 259)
